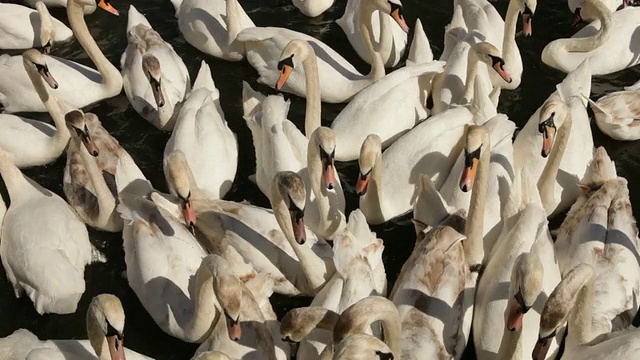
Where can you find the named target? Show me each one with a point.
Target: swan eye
(288, 62)
(363, 177)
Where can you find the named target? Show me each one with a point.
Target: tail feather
(204, 79)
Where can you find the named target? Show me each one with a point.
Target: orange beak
(188, 213)
(46, 75)
(548, 134)
(105, 5)
(116, 349)
(90, 145)
(514, 321)
(397, 16)
(328, 173)
(577, 17)
(233, 327)
(527, 29)
(284, 75)
(499, 68)
(469, 176)
(362, 184)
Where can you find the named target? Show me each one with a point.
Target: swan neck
(110, 75)
(205, 304)
(16, 183)
(385, 43)
(547, 182)
(97, 339)
(366, 29)
(106, 200)
(232, 20)
(595, 41)
(509, 45)
(581, 316)
(472, 71)
(474, 246)
(312, 118)
(511, 346)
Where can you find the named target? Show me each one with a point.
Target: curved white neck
(331, 219)
(365, 27)
(97, 339)
(472, 71)
(580, 318)
(595, 41)
(547, 180)
(510, 49)
(474, 226)
(374, 189)
(111, 78)
(385, 41)
(313, 111)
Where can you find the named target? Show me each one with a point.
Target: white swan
(201, 132)
(341, 81)
(46, 261)
(608, 43)
(575, 6)
(312, 8)
(89, 181)
(156, 80)
(566, 103)
(618, 114)
(82, 86)
(105, 329)
(600, 230)
(30, 142)
(388, 35)
(388, 182)
(212, 26)
(24, 28)
(574, 300)
(89, 9)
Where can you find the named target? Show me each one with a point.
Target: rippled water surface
(146, 144)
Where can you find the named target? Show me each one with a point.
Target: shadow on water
(146, 144)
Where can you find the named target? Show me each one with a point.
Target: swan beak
(116, 349)
(297, 223)
(91, 146)
(157, 91)
(548, 130)
(46, 49)
(526, 24)
(363, 183)
(285, 71)
(105, 5)
(471, 161)
(396, 14)
(234, 329)
(542, 347)
(577, 17)
(498, 66)
(328, 169)
(188, 213)
(43, 70)
(517, 309)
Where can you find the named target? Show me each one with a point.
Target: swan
(30, 142)
(272, 242)
(89, 182)
(341, 80)
(360, 272)
(618, 115)
(387, 33)
(212, 27)
(155, 78)
(566, 103)
(608, 43)
(600, 230)
(83, 85)
(524, 257)
(105, 329)
(463, 65)
(573, 301)
(312, 8)
(19, 31)
(575, 6)
(88, 9)
(202, 134)
(45, 261)
(388, 182)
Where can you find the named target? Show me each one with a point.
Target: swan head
(490, 55)
(526, 285)
(34, 61)
(77, 124)
(362, 347)
(325, 139)
(371, 148)
(47, 29)
(394, 9)
(151, 68)
(290, 188)
(472, 151)
(229, 294)
(587, 11)
(105, 321)
(299, 322)
(552, 116)
(559, 306)
(178, 169)
(294, 53)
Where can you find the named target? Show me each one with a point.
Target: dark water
(146, 144)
